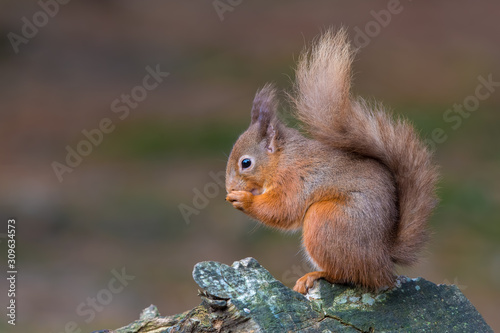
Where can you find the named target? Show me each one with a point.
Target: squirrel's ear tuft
(264, 111)
(264, 107)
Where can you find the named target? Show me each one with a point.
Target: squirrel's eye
(246, 163)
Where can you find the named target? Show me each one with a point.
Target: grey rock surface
(245, 297)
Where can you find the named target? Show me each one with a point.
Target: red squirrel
(359, 183)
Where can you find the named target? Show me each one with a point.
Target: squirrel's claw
(241, 200)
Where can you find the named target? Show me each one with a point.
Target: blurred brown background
(119, 208)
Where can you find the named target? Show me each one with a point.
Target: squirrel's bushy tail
(329, 114)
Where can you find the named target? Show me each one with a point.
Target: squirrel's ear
(273, 136)
(264, 108)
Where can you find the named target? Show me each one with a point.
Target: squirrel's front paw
(240, 199)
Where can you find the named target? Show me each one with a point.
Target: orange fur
(361, 186)
(338, 248)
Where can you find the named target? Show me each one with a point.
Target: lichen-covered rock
(245, 297)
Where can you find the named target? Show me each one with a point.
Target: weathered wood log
(245, 297)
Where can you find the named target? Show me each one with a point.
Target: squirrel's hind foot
(307, 281)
